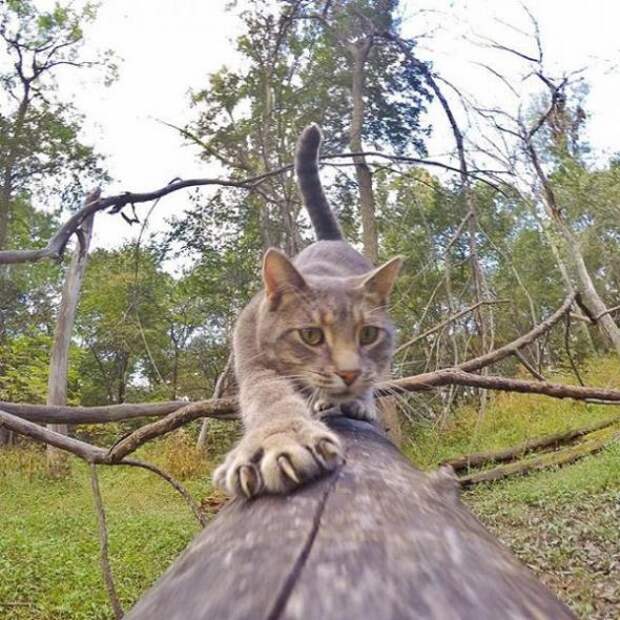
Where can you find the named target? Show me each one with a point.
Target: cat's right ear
(279, 276)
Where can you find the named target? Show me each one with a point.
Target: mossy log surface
(377, 539)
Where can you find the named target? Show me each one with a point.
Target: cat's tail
(307, 169)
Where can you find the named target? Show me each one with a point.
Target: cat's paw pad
(279, 462)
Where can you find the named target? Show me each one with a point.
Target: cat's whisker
(402, 403)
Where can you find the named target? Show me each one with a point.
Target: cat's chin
(341, 397)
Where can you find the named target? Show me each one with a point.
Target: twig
(528, 366)
(174, 483)
(608, 311)
(103, 545)
(447, 321)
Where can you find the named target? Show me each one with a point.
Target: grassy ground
(49, 553)
(563, 523)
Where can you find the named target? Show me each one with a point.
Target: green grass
(49, 553)
(563, 523)
(511, 418)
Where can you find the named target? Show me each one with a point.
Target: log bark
(377, 539)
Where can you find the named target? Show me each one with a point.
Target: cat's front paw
(279, 461)
(360, 409)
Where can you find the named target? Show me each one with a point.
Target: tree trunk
(359, 54)
(59, 358)
(376, 539)
(573, 250)
(12, 146)
(568, 282)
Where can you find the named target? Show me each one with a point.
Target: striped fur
(306, 167)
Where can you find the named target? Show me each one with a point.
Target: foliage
(41, 131)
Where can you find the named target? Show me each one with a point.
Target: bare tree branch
(498, 354)
(104, 557)
(440, 378)
(451, 319)
(56, 245)
(109, 413)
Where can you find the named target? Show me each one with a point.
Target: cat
(318, 336)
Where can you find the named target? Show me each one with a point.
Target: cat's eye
(368, 334)
(312, 335)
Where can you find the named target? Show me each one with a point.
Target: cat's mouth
(338, 395)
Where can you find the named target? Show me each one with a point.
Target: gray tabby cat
(317, 336)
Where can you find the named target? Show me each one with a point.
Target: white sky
(168, 46)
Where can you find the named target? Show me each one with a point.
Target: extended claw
(249, 480)
(329, 454)
(287, 468)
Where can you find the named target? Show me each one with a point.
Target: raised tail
(307, 169)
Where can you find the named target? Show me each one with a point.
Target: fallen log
(378, 539)
(476, 459)
(555, 459)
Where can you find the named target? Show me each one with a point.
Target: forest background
(490, 162)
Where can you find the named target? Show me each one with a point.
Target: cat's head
(331, 335)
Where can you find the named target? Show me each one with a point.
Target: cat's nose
(348, 376)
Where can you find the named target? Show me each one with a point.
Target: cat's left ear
(279, 275)
(380, 282)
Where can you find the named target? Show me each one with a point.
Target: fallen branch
(562, 457)
(508, 454)
(499, 354)
(445, 377)
(44, 414)
(376, 520)
(93, 455)
(104, 558)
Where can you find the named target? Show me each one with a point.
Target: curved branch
(498, 354)
(56, 245)
(94, 455)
